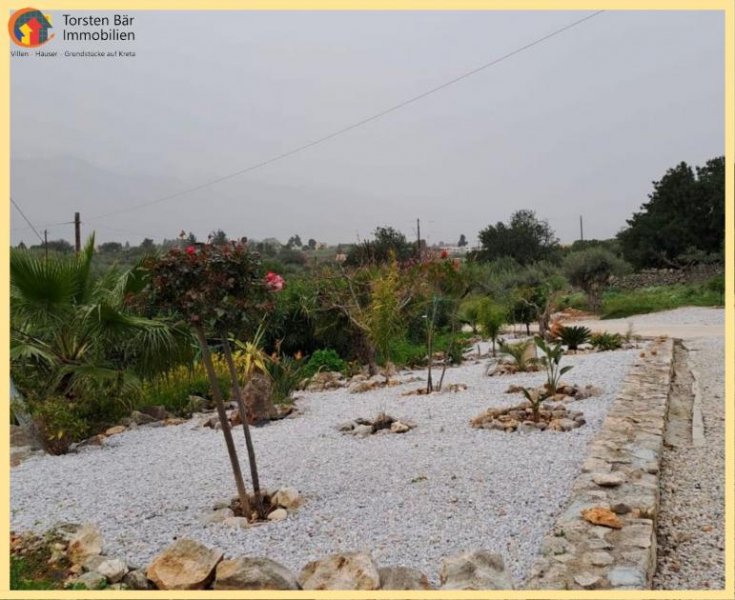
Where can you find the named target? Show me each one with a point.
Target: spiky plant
(606, 341)
(573, 336)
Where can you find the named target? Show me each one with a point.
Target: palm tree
(75, 333)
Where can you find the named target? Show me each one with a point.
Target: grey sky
(580, 124)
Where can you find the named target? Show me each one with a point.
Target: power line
(355, 125)
(22, 214)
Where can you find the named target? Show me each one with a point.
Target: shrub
(286, 373)
(606, 341)
(324, 360)
(59, 423)
(574, 336)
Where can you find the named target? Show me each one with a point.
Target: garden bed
(453, 489)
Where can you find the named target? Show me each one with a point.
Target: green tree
(312, 244)
(294, 241)
(462, 241)
(525, 239)
(591, 270)
(386, 242)
(685, 212)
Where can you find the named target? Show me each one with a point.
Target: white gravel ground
(410, 499)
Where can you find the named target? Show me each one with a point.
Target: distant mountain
(50, 190)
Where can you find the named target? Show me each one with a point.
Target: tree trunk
(371, 358)
(217, 393)
(245, 427)
(494, 348)
(430, 349)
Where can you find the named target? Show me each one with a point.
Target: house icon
(30, 27)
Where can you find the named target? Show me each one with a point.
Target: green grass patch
(620, 304)
(32, 571)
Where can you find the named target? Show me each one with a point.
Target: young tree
(217, 290)
(491, 317)
(591, 270)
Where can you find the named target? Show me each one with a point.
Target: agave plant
(573, 336)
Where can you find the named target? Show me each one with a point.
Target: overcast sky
(578, 125)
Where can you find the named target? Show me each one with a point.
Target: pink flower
(191, 250)
(274, 281)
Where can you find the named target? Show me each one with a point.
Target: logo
(29, 28)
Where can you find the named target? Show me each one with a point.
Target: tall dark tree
(462, 241)
(525, 239)
(312, 244)
(685, 213)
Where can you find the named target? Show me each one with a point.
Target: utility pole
(77, 232)
(581, 229)
(418, 238)
(45, 242)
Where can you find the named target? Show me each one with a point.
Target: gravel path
(691, 525)
(409, 499)
(686, 323)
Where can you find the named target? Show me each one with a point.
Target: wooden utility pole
(418, 238)
(45, 242)
(581, 229)
(77, 232)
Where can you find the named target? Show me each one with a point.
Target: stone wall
(655, 277)
(613, 545)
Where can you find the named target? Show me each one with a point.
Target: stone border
(620, 476)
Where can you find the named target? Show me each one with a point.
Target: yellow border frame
(727, 6)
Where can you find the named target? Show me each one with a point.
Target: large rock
(140, 418)
(254, 574)
(257, 399)
(477, 570)
(85, 542)
(184, 565)
(349, 571)
(402, 578)
(287, 497)
(112, 568)
(136, 580)
(159, 413)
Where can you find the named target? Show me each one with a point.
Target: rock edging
(614, 545)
